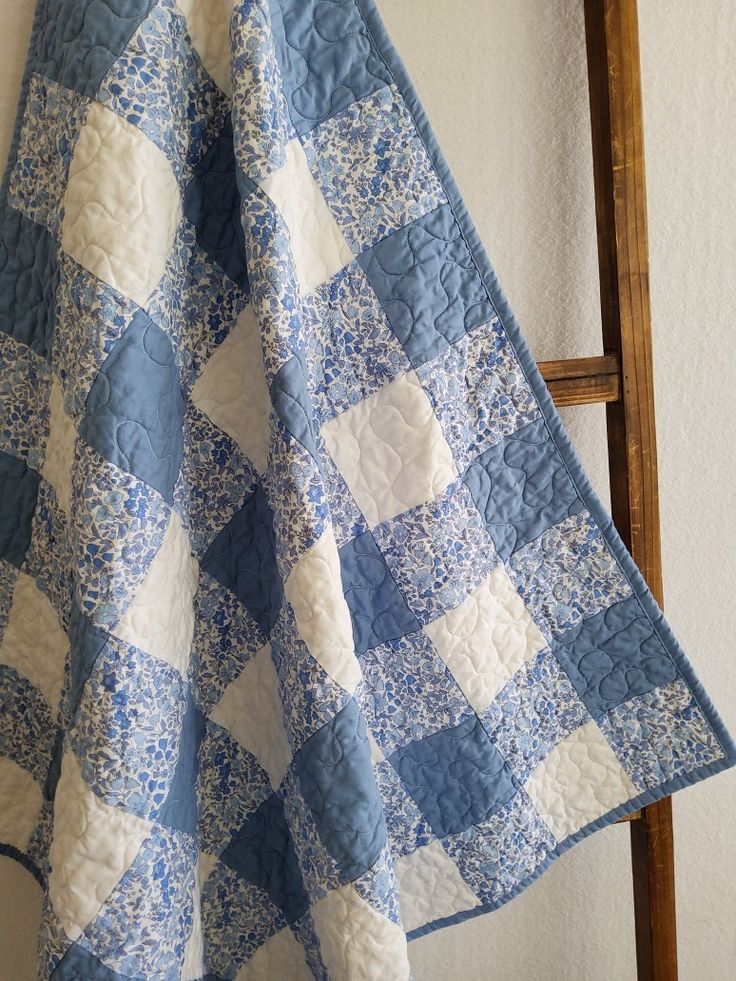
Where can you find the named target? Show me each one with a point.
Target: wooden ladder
(622, 378)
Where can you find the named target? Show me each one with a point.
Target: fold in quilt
(314, 634)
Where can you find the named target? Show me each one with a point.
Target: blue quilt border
(393, 62)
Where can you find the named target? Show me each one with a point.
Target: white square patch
(122, 205)
(317, 244)
(252, 712)
(579, 781)
(209, 29)
(57, 466)
(34, 642)
(486, 639)
(314, 589)
(93, 846)
(431, 887)
(282, 956)
(232, 390)
(160, 620)
(356, 941)
(390, 450)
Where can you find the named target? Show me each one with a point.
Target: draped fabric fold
(313, 634)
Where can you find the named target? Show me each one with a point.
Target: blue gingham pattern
(313, 635)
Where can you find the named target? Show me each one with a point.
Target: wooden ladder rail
(623, 379)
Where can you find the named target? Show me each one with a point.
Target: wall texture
(504, 84)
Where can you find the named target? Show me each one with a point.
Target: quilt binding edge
(386, 51)
(389, 56)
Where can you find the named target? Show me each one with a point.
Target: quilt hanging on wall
(313, 635)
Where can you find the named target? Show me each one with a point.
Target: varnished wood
(577, 381)
(654, 892)
(621, 218)
(569, 368)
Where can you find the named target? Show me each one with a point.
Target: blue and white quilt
(314, 636)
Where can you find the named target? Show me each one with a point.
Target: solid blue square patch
(456, 776)
(80, 39)
(19, 493)
(521, 487)
(377, 608)
(263, 853)
(212, 204)
(135, 408)
(327, 58)
(614, 656)
(180, 809)
(29, 277)
(292, 404)
(337, 782)
(243, 558)
(86, 643)
(428, 284)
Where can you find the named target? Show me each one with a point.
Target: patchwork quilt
(314, 636)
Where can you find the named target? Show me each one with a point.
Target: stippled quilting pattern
(313, 637)
(328, 59)
(135, 407)
(613, 655)
(426, 280)
(521, 487)
(377, 607)
(77, 42)
(29, 274)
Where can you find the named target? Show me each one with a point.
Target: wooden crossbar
(580, 381)
(623, 379)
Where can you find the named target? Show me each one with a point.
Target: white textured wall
(504, 84)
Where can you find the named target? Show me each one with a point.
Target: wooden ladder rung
(634, 816)
(581, 381)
